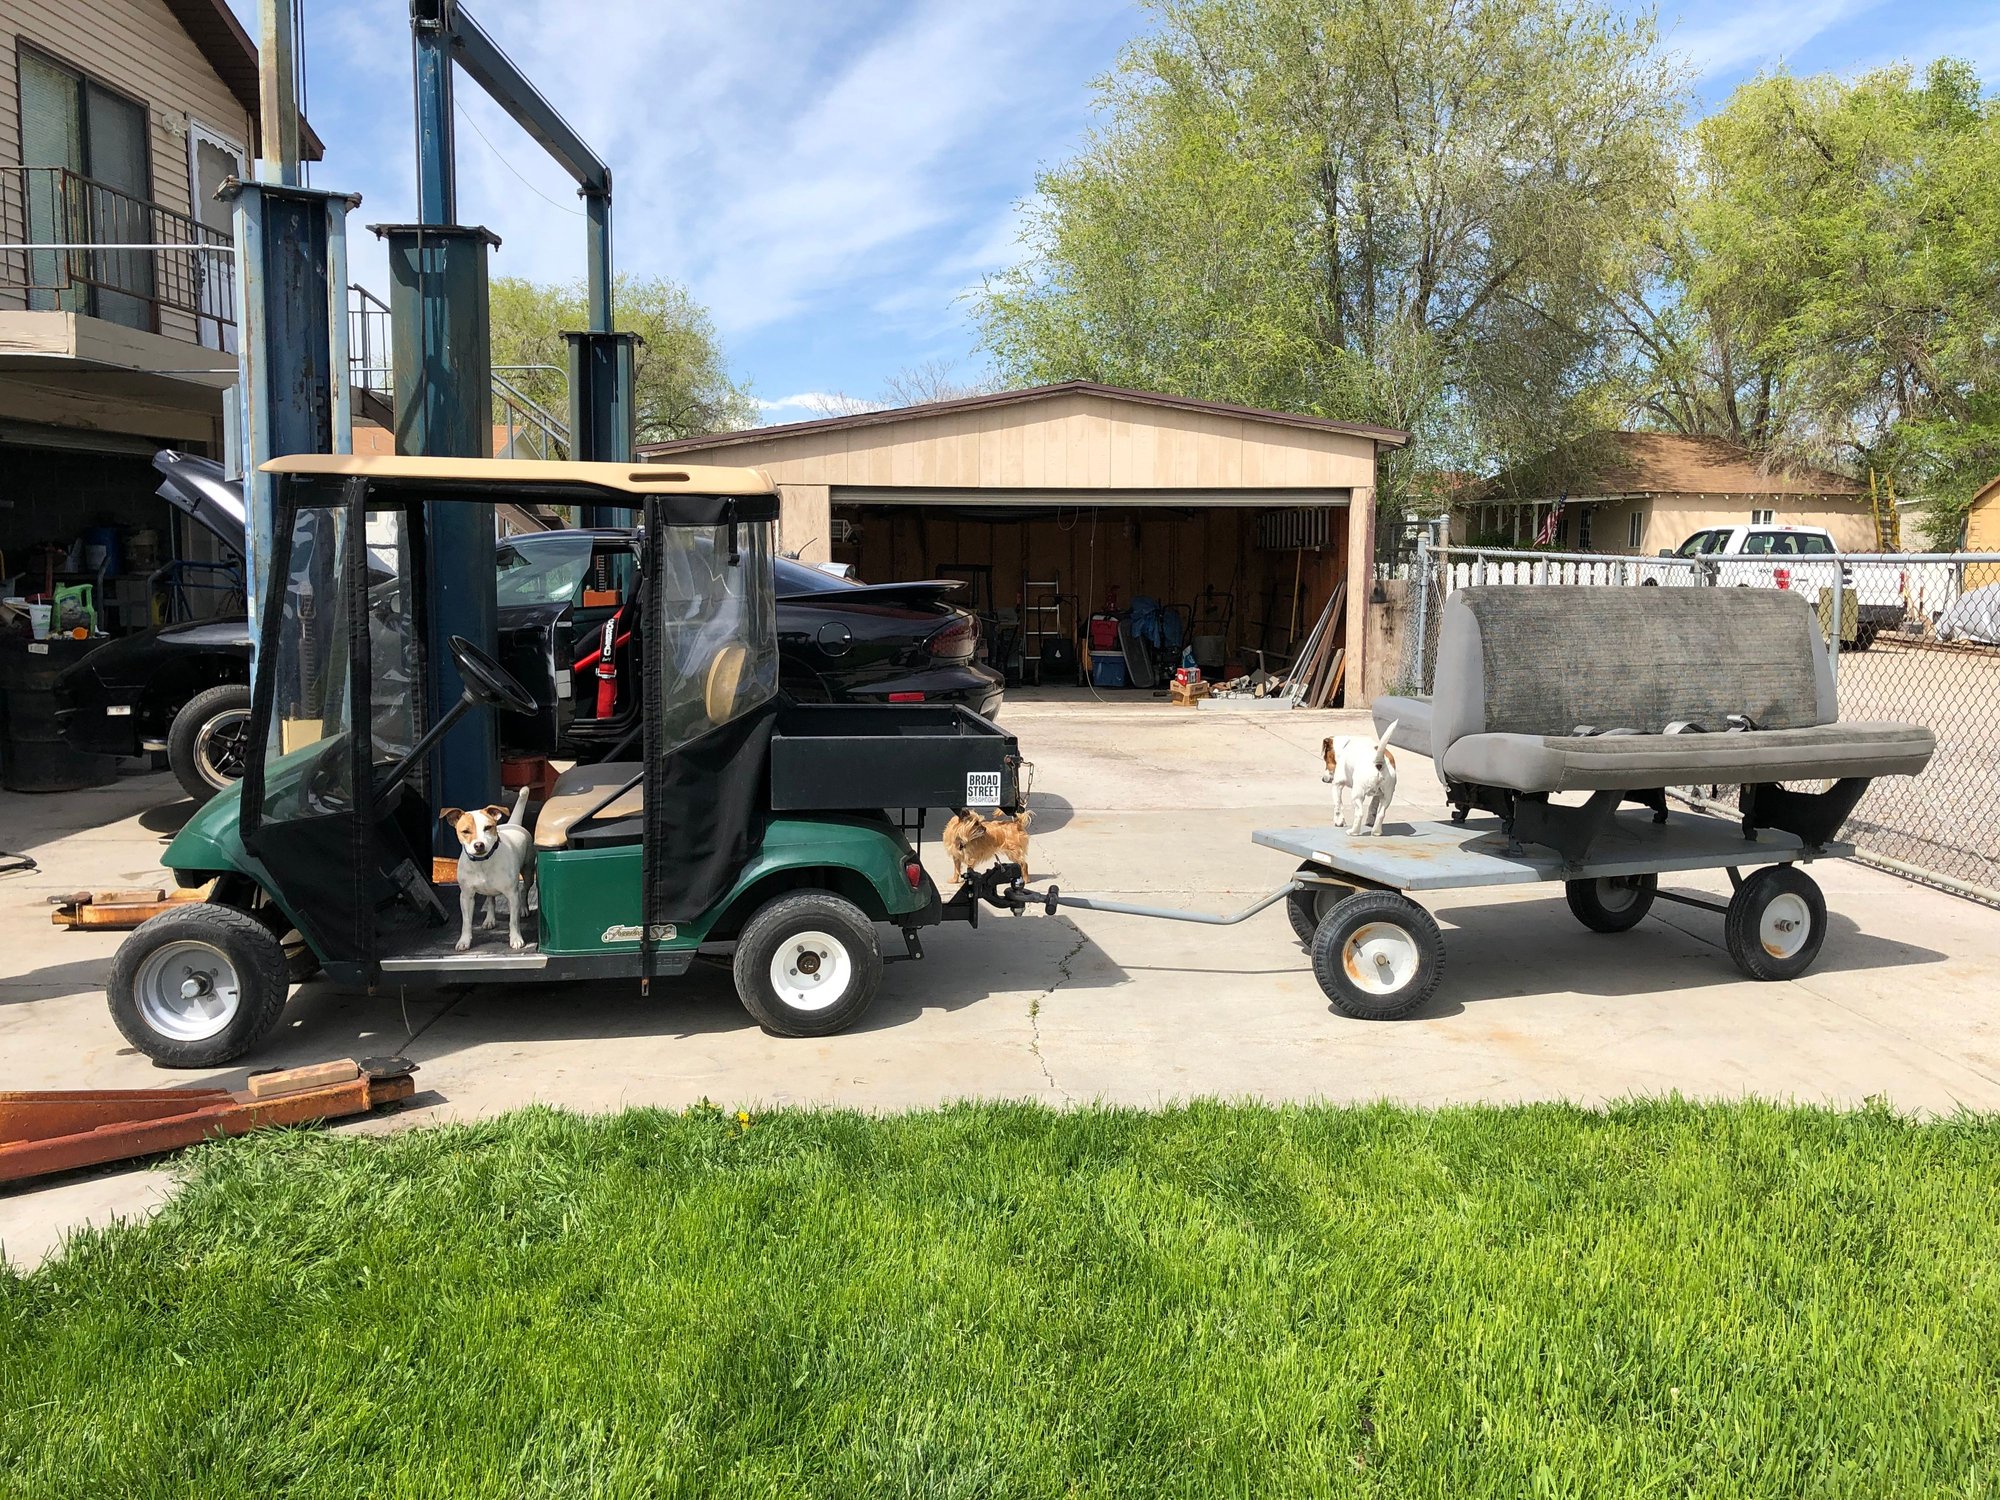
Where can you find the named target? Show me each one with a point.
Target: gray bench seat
(1540, 690)
(1616, 762)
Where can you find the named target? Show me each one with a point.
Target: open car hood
(196, 487)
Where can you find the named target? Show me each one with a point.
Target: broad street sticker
(982, 788)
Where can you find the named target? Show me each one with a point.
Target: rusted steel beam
(60, 1130)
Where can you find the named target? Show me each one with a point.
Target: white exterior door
(212, 159)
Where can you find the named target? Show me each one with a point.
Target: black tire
(208, 739)
(195, 942)
(1308, 905)
(1616, 904)
(1370, 919)
(1769, 949)
(837, 938)
(1864, 637)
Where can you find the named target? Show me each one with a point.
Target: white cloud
(1764, 31)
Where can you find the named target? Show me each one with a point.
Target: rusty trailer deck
(1448, 856)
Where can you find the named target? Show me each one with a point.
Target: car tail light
(906, 697)
(1783, 576)
(914, 873)
(958, 638)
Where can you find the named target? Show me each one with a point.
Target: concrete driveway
(1143, 801)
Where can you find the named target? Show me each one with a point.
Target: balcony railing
(72, 243)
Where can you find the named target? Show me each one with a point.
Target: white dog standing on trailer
(1363, 773)
(496, 861)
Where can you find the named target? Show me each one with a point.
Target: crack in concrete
(1035, 1010)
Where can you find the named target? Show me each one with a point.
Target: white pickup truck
(1802, 558)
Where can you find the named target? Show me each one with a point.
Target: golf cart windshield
(312, 708)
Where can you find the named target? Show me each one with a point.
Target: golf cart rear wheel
(198, 987)
(1776, 923)
(1307, 905)
(1616, 903)
(209, 740)
(807, 964)
(1378, 956)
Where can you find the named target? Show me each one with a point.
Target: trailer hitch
(1000, 886)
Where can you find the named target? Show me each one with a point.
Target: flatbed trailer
(1378, 954)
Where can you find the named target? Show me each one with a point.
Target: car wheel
(807, 964)
(198, 987)
(209, 743)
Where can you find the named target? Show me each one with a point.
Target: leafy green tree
(1414, 212)
(683, 385)
(1829, 288)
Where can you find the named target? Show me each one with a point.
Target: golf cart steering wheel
(487, 681)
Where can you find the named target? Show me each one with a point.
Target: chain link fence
(1919, 641)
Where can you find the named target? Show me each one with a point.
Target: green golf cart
(747, 829)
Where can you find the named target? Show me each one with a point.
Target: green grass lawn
(1666, 1299)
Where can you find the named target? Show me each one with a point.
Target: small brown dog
(971, 841)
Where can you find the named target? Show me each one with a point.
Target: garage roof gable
(1387, 437)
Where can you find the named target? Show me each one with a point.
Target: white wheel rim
(1616, 895)
(1785, 926)
(811, 971)
(1380, 957)
(187, 990)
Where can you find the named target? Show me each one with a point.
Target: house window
(1634, 529)
(71, 122)
(1763, 517)
(1583, 529)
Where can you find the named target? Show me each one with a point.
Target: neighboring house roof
(1986, 492)
(227, 46)
(1388, 437)
(1616, 464)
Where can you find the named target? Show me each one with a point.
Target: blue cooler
(1107, 669)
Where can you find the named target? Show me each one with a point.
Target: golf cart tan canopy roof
(633, 479)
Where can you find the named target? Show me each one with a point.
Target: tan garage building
(1061, 501)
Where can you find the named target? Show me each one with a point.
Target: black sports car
(185, 688)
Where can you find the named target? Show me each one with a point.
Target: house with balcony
(119, 119)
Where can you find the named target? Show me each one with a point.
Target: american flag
(1548, 532)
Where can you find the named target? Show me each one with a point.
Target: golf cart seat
(1542, 690)
(581, 788)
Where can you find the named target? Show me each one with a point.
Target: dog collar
(480, 859)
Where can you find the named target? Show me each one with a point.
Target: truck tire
(807, 964)
(198, 987)
(210, 739)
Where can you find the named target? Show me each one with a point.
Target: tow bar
(1000, 886)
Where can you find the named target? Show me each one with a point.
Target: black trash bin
(33, 754)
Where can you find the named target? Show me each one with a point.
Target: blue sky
(832, 178)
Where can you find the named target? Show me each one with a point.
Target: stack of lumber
(1314, 675)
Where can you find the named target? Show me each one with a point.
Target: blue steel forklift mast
(291, 265)
(601, 362)
(442, 343)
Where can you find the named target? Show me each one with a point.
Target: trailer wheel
(1776, 923)
(1378, 956)
(209, 740)
(807, 964)
(1307, 905)
(1614, 904)
(198, 987)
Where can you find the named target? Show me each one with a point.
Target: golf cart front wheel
(807, 964)
(1616, 903)
(1378, 956)
(1775, 923)
(198, 987)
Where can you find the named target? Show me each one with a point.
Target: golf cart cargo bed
(845, 757)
